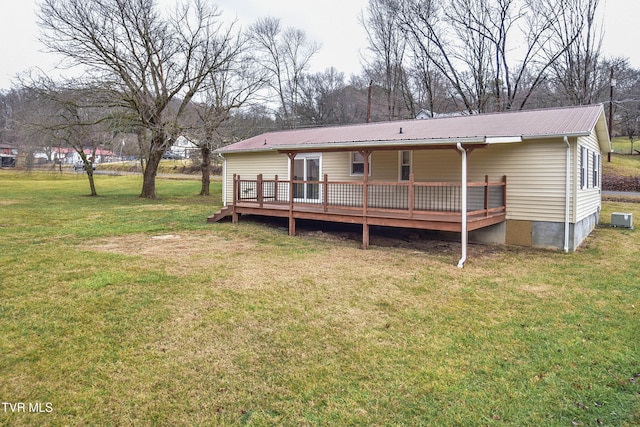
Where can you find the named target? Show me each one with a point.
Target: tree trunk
(156, 150)
(206, 170)
(149, 176)
(92, 184)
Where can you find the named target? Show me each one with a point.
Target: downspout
(567, 194)
(224, 179)
(463, 196)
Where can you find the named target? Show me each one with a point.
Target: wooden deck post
(504, 192)
(275, 190)
(365, 182)
(325, 192)
(236, 192)
(365, 199)
(365, 234)
(411, 195)
(486, 195)
(292, 220)
(259, 190)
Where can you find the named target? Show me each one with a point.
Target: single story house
(530, 178)
(182, 148)
(8, 155)
(70, 156)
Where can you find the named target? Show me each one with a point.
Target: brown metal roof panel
(531, 123)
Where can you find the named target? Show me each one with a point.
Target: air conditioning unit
(620, 219)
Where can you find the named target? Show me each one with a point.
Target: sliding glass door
(307, 168)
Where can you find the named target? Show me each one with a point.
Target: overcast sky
(331, 23)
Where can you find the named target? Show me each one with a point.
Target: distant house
(530, 178)
(71, 156)
(428, 114)
(182, 148)
(8, 156)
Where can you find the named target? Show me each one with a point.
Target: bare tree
(151, 62)
(578, 73)
(493, 53)
(70, 114)
(626, 99)
(322, 100)
(224, 90)
(387, 44)
(285, 54)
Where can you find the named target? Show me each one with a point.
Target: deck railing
(407, 196)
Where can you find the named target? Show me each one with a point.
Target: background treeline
(147, 76)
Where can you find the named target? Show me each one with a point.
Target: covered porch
(442, 206)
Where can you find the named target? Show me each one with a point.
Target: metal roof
(505, 127)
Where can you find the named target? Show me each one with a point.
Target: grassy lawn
(622, 145)
(622, 165)
(124, 311)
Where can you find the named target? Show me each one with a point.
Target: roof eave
(355, 145)
(555, 135)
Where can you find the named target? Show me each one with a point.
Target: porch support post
(325, 192)
(236, 191)
(259, 190)
(486, 195)
(463, 203)
(411, 195)
(292, 220)
(365, 199)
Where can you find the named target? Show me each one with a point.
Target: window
(357, 164)
(596, 170)
(583, 167)
(405, 165)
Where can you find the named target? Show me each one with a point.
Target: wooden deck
(423, 220)
(420, 205)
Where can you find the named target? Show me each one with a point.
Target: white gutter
(463, 196)
(555, 135)
(567, 199)
(355, 145)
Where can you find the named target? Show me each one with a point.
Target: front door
(306, 168)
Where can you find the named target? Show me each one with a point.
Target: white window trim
(351, 173)
(596, 170)
(400, 164)
(584, 167)
(321, 177)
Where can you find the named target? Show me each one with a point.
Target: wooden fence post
(275, 190)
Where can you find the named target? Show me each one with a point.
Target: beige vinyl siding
(535, 173)
(385, 166)
(250, 165)
(589, 198)
(536, 177)
(337, 166)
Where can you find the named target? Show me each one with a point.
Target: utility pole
(369, 101)
(612, 84)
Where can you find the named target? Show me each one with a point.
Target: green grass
(125, 311)
(622, 145)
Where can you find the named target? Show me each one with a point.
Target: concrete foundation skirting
(543, 234)
(494, 234)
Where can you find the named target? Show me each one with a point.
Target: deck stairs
(224, 212)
